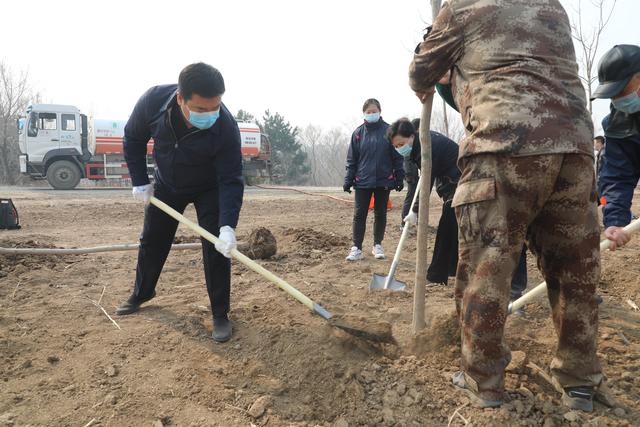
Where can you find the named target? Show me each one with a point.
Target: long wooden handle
(536, 292)
(248, 262)
(403, 238)
(423, 218)
(92, 250)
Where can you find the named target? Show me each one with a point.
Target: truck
(62, 145)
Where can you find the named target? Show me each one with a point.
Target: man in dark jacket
(619, 76)
(598, 147)
(198, 160)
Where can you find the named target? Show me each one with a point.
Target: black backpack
(8, 215)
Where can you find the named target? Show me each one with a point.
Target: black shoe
(459, 380)
(432, 284)
(222, 329)
(132, 304)
(599, 299)
(578, 398)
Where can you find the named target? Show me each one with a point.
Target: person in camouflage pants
(527, 174)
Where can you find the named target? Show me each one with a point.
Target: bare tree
(311, 137)
(453, 128)
(336, 144)
(327, 153)
(588, 40)
(14, 99)
(445, 118)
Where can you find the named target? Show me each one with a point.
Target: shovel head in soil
(389, 282)
(378, 281)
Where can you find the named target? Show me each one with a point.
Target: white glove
(143, 193)
(227, 241)
(412, 218)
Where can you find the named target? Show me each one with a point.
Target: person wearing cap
(619, 80)
(527, 175)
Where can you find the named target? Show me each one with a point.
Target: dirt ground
(63, 362)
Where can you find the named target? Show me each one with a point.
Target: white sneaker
(378, 252)
(355, 254)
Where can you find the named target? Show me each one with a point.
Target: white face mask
(628, 104)
(371, 117)
(405, 150)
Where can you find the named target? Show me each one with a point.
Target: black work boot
(132, 304)
(459, 380)
(578, 398)
(222, 329)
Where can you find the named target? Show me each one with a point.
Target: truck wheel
(63, 175)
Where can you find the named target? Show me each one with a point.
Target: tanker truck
(62, 145)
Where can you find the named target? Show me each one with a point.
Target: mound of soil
(261, 244)
(443, 332)
(9, 263)
(367, 329)
(309, 238)
(26, 243)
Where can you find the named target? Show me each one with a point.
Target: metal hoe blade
(378, 282)
(370, 333)
(373, 333)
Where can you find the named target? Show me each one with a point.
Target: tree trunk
(423, 217)
(446, 119)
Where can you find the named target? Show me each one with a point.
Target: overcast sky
(315, 62)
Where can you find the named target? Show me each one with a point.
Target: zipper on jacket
(174, 133)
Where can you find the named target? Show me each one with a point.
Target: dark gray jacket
(372, 162)
(199, 161)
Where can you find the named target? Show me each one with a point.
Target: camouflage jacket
(514, 76)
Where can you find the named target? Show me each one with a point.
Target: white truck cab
(54, 144)
(58, 143)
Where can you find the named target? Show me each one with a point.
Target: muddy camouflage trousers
(549, 201)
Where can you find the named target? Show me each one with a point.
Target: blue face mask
(628, 104)
(372, 117)
(405, 150)
(203, 120)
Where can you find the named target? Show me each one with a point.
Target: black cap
(615, 69)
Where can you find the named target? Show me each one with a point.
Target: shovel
(381, 335)
(389, 282)
(534, 293)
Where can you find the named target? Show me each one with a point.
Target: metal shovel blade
(378, 281)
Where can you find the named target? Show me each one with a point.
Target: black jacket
(621, 125)
(372, 161)
(199, 161)
(444, 163)
(620, 170)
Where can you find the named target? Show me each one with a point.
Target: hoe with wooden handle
(542, 287)
(377, 336)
